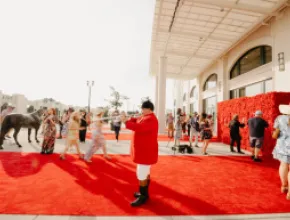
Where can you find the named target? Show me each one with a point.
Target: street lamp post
(90, 84)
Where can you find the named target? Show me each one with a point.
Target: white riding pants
(143, 171)
(193, 133)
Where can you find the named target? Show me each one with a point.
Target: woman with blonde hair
(49, 132)
(98, 140)
(73, 135)
(281, 151)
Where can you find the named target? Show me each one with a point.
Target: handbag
(276, 133)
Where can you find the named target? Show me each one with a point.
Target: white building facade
(255, 60)
(22, 104)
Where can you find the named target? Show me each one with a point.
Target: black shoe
(59, 138)
(252, 157)
(138, 194)
(241, 152)
(257, 160)
(142, 199)
(196, 146)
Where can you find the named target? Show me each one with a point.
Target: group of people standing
(196, 125)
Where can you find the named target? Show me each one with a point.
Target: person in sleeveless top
(73, 135)
(98, 139)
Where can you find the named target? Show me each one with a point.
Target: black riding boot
(142, 198)
(138, 194)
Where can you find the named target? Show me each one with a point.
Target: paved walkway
(123, 147)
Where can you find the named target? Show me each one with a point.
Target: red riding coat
(144, 144)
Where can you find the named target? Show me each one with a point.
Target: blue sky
(51, 48)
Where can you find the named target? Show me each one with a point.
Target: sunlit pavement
(123, 147)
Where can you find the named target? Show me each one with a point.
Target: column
(199, 88)
(178, 94)
(162, 94)
(188, 98)
(156, 94)
(222, 90)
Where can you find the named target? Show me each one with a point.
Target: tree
(116, 100)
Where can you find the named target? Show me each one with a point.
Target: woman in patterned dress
(98, 139)
(49, 132)
(281, 151)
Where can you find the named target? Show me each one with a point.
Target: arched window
(192, 92)
(252, 59)
(211, 82)
(184, 97)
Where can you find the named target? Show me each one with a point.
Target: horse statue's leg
(36, 131)
(29, 133)
(4, 131)
(2, 136)
(16, 131)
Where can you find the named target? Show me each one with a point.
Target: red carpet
(42, 184)
(127, 136)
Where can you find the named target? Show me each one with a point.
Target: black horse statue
(18, 121)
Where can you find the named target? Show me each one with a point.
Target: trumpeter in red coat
(144, 148)
(144, 144)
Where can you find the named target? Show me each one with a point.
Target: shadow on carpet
(43, 184)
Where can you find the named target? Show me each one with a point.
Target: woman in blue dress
(281, 151)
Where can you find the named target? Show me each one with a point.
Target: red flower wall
(245, 107)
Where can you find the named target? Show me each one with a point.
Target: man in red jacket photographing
(144, 148)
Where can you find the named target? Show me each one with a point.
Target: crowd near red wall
(245, 107)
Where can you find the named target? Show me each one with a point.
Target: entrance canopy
(192, 34)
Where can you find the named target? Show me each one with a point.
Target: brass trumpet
(115, 117)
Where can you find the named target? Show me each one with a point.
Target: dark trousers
(188, 130)
(60, 129)
(238, 141)
(117, 131)
(82, 135)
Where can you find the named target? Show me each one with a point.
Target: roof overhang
(193, 34)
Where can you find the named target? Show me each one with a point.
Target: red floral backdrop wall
(245, 107)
